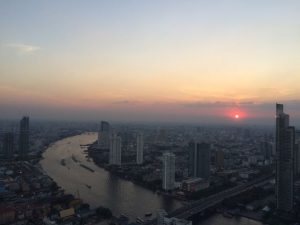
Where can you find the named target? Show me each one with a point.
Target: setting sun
(237, 116)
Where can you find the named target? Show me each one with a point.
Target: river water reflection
(99, 188)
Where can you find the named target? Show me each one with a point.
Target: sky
(171, 60)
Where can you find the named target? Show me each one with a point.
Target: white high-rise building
(115, 150)
(168, 171)
(139, 148)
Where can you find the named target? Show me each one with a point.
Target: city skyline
(167, 61)
(233, 169)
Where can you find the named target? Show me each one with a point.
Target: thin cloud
(125, 102)
(21, 48)
(219, 104)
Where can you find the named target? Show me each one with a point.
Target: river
(101, 188)
(121, 196)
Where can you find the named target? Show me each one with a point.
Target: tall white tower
(115, 150)
(168, 171)
(139, 148)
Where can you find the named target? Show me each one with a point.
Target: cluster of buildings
(9, 144)
(170, 159)
(27, 194)
(108, 139)
(198, 168)
(212, 157)
(199, 158)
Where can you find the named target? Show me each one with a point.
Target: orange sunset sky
(132, 60)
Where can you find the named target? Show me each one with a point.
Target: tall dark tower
(285, 142)
(199, 160)
(105, 126)
(8, 144)
(104, 135)
(24, 137)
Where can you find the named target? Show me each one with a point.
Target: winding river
(100, 188)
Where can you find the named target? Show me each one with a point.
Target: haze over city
(134, 112)
(172, 61)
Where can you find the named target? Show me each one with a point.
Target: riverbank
(130, 171)
(73, 203)
(100, 159)
(99, 188)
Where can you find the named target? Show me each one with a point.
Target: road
(196, 207)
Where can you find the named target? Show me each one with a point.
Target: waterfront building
(168, 171)
(285, 141)
(199, 160)
(162, 219)
(194, 184)
(176, 221)
(160, 215)
(104, 135)
(8, 145)
(115, 150)
(24, 137)
(139, 148)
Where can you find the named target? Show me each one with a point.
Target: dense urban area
(235, 171)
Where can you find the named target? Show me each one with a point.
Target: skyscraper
(297, 154)
(139, 148)
(266, 149)
(8, 144)
(104, 135)
(168, 171)
(24, 137)
(199, 160)
(220, 159)
(285, 141)
(115, 150)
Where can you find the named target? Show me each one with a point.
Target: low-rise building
(162, 219)
(7, 215)
(194, 184)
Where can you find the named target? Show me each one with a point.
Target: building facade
(163, 219)
(104, 135)
(8, 145)
(199, 160)
(285, 142)
(297, 154)
(194, 184)
(115, 150)
(24, 137)
(139, 149)
(220, 159)
(168, 171)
